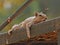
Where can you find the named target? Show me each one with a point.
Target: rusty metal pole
(19, 11)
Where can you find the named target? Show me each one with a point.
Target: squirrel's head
(39, 17)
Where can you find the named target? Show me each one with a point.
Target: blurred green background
(8, 7)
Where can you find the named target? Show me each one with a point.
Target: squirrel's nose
(44, 19)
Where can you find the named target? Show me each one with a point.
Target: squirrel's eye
(40, 15)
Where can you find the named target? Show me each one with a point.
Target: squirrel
(37, 18)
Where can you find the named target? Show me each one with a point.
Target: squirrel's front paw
(10, 32)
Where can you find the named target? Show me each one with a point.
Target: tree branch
(19, 11)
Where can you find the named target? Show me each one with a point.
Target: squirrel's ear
(36, 13)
